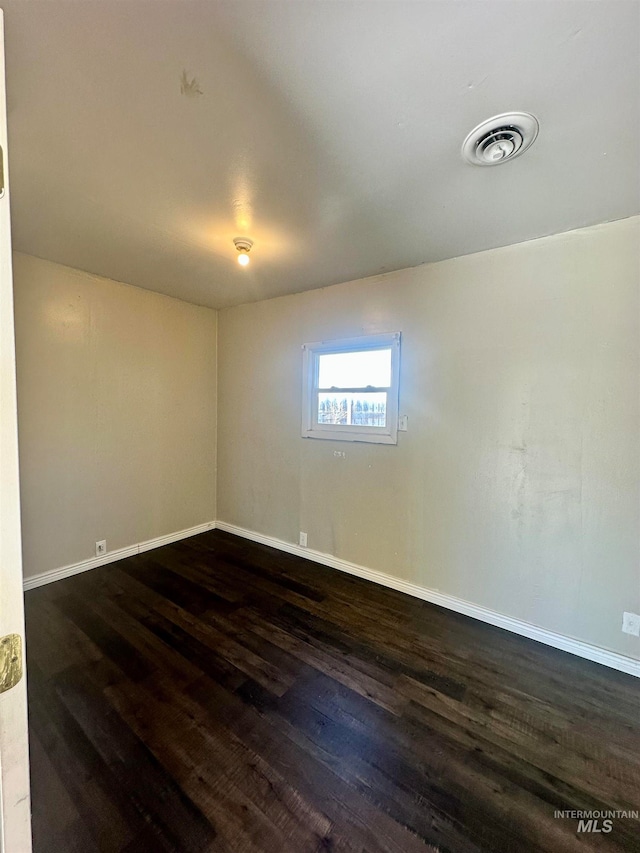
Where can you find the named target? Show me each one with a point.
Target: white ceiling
(327, 132)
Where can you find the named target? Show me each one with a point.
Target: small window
(350, 389)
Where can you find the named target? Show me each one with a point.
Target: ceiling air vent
(500, 138)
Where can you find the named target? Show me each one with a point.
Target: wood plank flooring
(217, 695)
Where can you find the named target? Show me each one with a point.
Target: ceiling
(327, 132)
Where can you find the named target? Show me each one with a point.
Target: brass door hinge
(10, 661)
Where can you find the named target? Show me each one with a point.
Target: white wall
(516, 486)
(116, 412)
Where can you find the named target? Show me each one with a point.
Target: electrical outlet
(631, 624)
(403, 423)
(303, 539)
(339, 454)
(101, 547)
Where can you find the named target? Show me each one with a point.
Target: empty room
(320, 444)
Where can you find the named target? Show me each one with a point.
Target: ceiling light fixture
(500, 138)
(244, 247)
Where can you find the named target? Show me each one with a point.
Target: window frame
(310, 390)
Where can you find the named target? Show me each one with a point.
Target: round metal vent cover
(500, 138)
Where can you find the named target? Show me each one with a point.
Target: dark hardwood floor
(217, 695)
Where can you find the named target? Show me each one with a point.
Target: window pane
(355, 369)
(359, 409)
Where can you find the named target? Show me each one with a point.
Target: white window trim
(337, 432)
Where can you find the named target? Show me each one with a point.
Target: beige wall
(516, 486)
(116, 411)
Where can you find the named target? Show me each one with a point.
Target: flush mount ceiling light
(500, 138)
(244, 247)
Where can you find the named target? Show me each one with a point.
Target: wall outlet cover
(303, 539)
(631, 624)
(101, 547)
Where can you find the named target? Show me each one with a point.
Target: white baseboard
(112, 556)
(516, 626)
